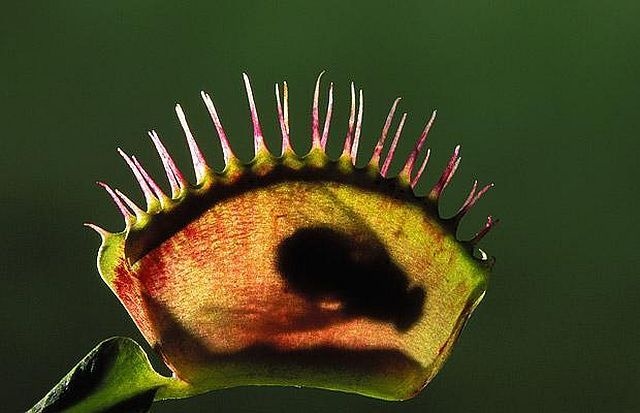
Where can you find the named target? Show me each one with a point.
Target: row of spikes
(157, 200)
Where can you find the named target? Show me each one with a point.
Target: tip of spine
(416, 178)
(407, 170)
(140, 214)
(104, 234)
(327, 119)
(392, 149)
(227, 152)
(490, 224)
(346, 150)
(200, 166)
(283, 118)
(471, 200)
(358, 129)
(258, 138)
(285, 96)
(174, 176)
(377, 151)
(157, 191)
(129, 218)
(150, 198)
(315, 116)
(447, 174)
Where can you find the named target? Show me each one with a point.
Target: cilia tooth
(446, 176)
(384, 171)
(377, 150)
(149, 196)
(126, 214)
(315, 116)
(327, 119)
(227, 152)
(407, 170)
(358, 130)
(283, 120)
(348, 140)
(197, 158)
(176, 180)
(258, 138)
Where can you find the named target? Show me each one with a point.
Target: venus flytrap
(287, 270)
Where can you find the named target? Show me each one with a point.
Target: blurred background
(543, 96)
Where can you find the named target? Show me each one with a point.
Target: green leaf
(114, 377)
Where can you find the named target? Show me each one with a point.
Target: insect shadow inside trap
(321, 263)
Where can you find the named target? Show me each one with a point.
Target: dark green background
(543, 95)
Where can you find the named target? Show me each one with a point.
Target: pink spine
(126, 214)
(392, 150)
(197, 158)
(446, 176)
(258, 138)
(227, 152)
(176, 179)
(327, 119)
(149, 196)
(282, 119)
(346, 150)
(377, 151)
(407, 170)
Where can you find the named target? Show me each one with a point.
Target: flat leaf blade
(115, 376)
